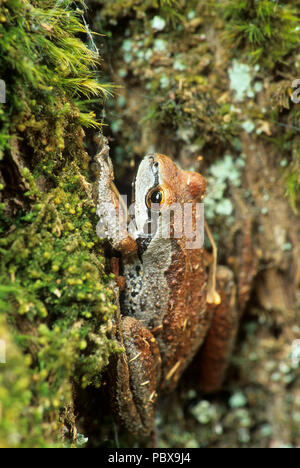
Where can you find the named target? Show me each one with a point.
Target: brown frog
(169, 305)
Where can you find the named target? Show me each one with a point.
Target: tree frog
(170, 306)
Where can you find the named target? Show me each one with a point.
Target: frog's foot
(219, 342)
(137, 377)
(213, 297)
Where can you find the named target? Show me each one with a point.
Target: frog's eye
(155, 197)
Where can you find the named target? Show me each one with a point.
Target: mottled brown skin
(188, 318)
(164, 315)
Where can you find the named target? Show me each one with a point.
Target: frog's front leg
(111, 209)
(136, 375)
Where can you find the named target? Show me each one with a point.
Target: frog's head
(159, 185)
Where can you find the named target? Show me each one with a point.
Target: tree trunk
(209, 84)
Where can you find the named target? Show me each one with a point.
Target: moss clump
(56, 300)
(46, 67)
(53, 278)
(269, 29)
(268, 33)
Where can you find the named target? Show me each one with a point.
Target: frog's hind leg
(136, 377)
(219, 342)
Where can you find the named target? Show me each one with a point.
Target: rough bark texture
(209, 84)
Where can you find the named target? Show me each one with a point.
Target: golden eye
(155, 196)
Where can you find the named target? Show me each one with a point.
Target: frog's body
(165, 315)
(174, 299)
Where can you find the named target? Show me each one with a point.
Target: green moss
(268, 30)
(52, 272)
(175, 64)
(56, 300)
(46, 67)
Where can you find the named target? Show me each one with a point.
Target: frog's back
(166, 291)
